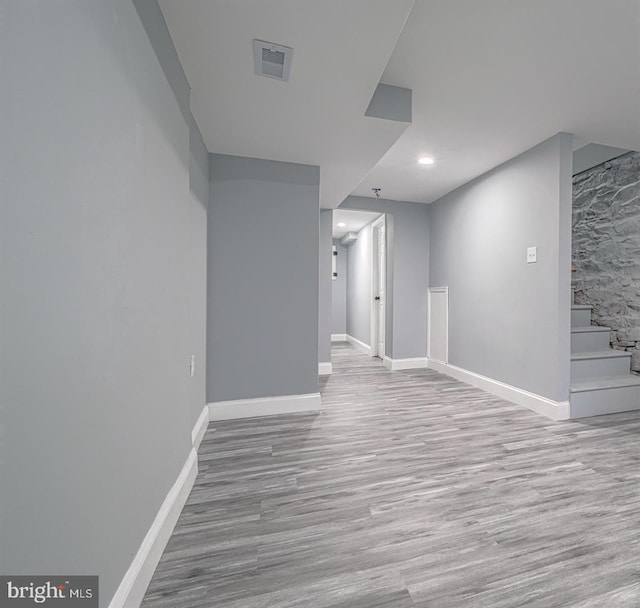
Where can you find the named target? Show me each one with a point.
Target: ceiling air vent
(272, 60)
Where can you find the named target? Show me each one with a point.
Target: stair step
(580, 315)
(600, 364)
(600, 354)
(600, 384)
(589, 338)
(598, 396)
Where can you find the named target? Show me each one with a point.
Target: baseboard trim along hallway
(338, 337)
(365, 348)
(408, 363)
(200, 427)
(133, 586)
(556, 410)
(325, 369)
(264, 406)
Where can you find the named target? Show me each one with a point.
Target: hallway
(408, 489)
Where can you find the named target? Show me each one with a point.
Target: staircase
(601, 379)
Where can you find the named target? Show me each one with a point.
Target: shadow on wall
(606, 248)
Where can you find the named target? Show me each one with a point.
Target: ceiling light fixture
(426, 160)
(340, 224)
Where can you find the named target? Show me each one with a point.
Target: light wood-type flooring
(409, 489)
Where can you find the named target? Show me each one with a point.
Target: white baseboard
(200, 427)
(556, 410)
(338, 337)
(325, 369)
(365, 348)
(408, 363)
(264, 406)
(133, 586)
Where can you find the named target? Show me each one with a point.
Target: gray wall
(509, 320)
(339, 292)
(606, 248)
(103, 243)
(407, 273)
(262, 323)
(359, 286)
(196, 297)
(324, 318)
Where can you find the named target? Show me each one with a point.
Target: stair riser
(587, 342)
(600, 368)
(580, 318)
(606, 401)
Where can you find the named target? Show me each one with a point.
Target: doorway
(361, 298)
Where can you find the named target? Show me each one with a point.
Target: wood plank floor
(409, 489)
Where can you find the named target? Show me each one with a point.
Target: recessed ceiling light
(426, 160)
(340, 224)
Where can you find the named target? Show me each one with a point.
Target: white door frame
(431, 291)
(375, 273)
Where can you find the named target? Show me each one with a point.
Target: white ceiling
(340, 49)
(493, 78)
(354, 220)
(490, 79)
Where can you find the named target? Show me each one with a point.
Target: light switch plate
(532, 255)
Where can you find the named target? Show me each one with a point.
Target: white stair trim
(407, 363)
(264, 406)
(200, 427)
(338, 337)
(325, 369)
(133, 586)
(556, 410)
(365, 348)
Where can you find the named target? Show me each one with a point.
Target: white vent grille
(272, 60)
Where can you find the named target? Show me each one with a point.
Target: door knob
(377, 298)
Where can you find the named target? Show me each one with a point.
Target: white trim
(556, 410)
(365, 348)
(338, 337)
(430, 291)
(408, 363)
(200, 427)
(133, 586)
(379, 221)
(325, 369)
(264, 406)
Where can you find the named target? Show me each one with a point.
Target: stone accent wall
(606, 248)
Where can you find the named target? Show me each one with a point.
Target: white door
(378, 290)
(381, 282)
(438, 325)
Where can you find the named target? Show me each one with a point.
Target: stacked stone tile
(606, 248)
